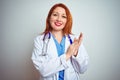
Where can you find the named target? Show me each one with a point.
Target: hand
(79, 41)
(73, 48)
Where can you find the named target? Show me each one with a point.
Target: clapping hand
(73, 48)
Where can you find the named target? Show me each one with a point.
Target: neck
(58, 35)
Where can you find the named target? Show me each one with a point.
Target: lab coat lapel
(52, 50)
(67, 43)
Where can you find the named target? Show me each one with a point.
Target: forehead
(59, 10)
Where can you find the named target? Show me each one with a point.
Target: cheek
(65, 21)
(51, 20)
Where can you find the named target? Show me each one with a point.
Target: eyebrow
(58, 13)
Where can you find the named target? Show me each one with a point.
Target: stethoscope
(46, 39)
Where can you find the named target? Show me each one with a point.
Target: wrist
(68, 56)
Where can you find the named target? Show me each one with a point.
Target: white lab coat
(50, 64)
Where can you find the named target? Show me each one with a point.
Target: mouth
(58, 23)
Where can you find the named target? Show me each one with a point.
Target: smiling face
(58, 19)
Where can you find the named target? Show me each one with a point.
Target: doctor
(58, 54)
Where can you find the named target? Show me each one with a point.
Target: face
(58, 19)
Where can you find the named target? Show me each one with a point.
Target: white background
(22, 20)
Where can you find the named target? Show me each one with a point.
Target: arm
(78, 55)
(80, 62)
(44, 64)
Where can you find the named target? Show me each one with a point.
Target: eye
(64, 16)
(54, 14)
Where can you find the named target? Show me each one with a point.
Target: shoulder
(39, 38)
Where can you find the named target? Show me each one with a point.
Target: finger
(75, 53)
(76, 43)
(75, 39)
(80, 38)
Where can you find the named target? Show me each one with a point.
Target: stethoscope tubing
(45, 45)
(50, 37)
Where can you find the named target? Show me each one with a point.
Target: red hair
(68, 26)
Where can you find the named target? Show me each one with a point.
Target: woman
(58, 54)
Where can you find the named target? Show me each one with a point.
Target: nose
(58, 18)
